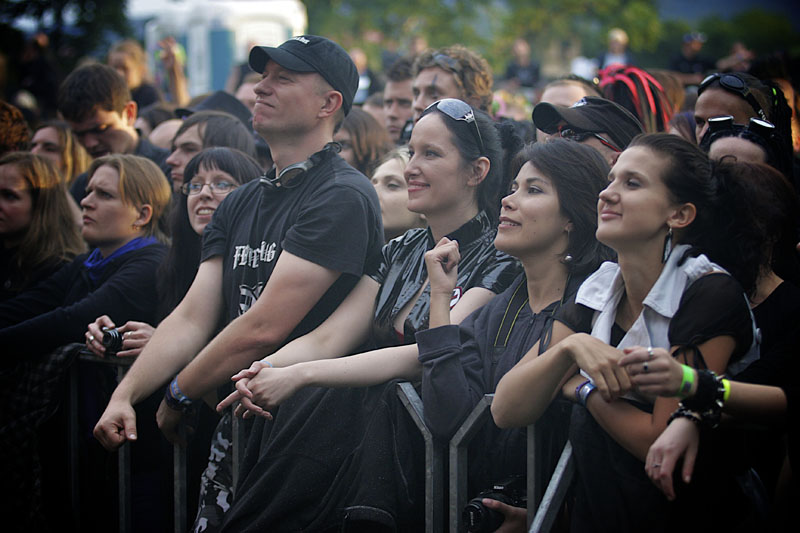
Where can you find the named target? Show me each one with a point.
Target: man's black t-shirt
(329, 215)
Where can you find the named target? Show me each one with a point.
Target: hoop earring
(667, 246)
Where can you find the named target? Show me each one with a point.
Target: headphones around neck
(287, 179)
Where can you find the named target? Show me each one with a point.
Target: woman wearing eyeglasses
(333, 436)
(658, 213)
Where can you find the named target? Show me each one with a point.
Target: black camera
(480, 519)
(112, 340)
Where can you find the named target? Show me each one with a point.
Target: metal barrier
(434, 460)
(547, 512)
(123, 455)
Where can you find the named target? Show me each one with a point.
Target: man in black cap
(597, 122)
(278, 257)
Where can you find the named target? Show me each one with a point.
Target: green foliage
(75, 27)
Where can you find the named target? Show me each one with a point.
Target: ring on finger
(90, 338)
(650, 352)
(645, 367)
(656, 465)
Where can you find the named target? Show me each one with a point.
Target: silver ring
(645, 368)
(650, 351)
(656, 465)
(90, 338)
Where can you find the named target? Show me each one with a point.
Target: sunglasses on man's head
(580, 136)
(734, 84)
(459, 111)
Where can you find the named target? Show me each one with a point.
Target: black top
(329, 216)
(11, 283)
(698, 319)
(400, 270)
(461, 363)
(613, 492)
(57, 310)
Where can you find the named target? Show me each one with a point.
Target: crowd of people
(619, 265)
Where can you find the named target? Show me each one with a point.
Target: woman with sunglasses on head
(548, 221)
(658, 213)
(454, 180)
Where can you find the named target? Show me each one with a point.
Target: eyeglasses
(459, 111)
(734, 84)
(580, 136)
(218, 188)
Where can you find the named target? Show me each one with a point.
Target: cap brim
(547, 117)
(260, 55)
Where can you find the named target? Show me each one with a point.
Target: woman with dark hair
(55, 141)
(453, 178)
(548, 222)
(364, 141)
(763, 210)
(758, 141)
(38, 233)
(658, 213)
(205, 129)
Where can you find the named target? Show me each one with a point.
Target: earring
(568, 258)
(667, 246)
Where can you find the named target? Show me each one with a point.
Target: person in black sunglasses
(738, 94)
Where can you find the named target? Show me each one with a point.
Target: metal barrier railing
(542, 509)
(125, 523)
(434, 460)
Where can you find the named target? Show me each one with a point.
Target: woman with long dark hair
(658, 213)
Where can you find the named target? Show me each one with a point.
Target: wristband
(267, 363)
(175, 398)
(686, 383)
(583, 391)
(683, 412)
(708, 398)
(727, 386)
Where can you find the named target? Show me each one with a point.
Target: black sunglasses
(734, 84)
(459, 111)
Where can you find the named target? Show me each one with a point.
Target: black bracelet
(682, 412)
(708, 399)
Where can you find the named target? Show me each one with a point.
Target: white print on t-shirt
(456, 297)
(248, 296)
(252, 257)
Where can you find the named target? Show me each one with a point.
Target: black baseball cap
(590, 114)
(220, 101)
(311, 53)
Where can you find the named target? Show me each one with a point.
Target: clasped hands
(651, 371)
(261, 388)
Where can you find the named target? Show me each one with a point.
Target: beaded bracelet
(682, 412)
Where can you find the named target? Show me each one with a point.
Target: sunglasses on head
(446, 62)
(734, 84)
(580, 136)
(459, 111)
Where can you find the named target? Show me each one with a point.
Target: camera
(112, 340)
(480, 519)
